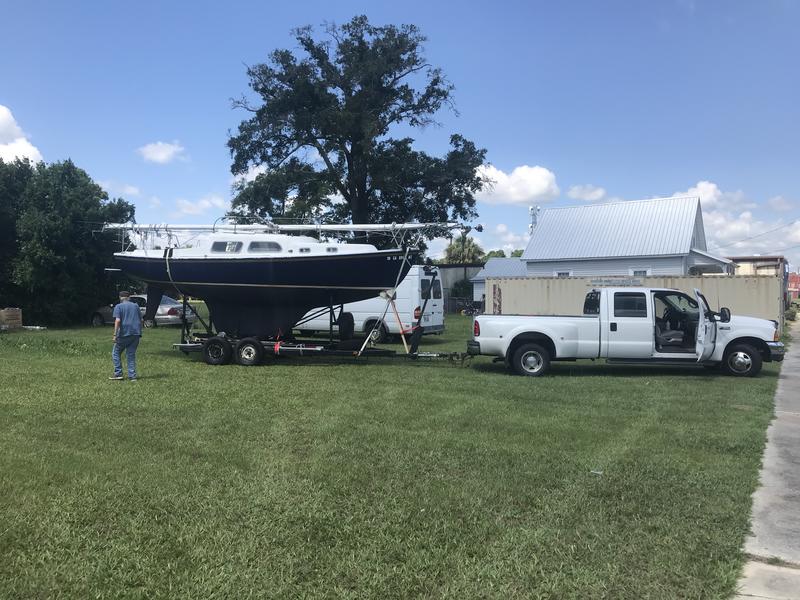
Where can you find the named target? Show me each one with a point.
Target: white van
(410, 296)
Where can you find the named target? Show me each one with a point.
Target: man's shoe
(116, 378)
(133, 380)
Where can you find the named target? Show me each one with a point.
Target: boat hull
(265, 297)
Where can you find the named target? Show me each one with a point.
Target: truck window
(591, 306)
(437, 290)
(630, 304)
(425, 288)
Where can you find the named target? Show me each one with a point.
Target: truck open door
(706, 329)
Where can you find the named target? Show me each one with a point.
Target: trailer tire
(742, 360)
(249, 352)
(531, 360)
(97, 320)
(217, 351)
(347, 326)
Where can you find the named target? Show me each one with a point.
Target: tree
(14, 178)
(463, 249)
(59, 265)
(321, 132)
(495, 254)
(516, 253)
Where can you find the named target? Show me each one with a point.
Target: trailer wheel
(742, 360)
(347, 326)
(377, 335)
(531, 360)
(249, 352)
(217, 351)
(97, 320)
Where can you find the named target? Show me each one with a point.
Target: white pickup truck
(631, 325)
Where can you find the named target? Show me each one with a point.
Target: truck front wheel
(742, 360)
(531, 360)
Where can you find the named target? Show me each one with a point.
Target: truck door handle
(613, 326)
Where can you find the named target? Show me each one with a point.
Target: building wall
(751, 296)
(451, 274)
(657, 265)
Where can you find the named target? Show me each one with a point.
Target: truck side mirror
(724, 315)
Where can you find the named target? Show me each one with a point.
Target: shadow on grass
(602, 369)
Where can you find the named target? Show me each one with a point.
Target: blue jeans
(128, 344)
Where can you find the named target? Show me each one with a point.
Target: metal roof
(502, 267)
(663, 226)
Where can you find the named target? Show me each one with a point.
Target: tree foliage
(495, 254)
(516, 253)
(55, 260)
(320, 132)
(463, 249)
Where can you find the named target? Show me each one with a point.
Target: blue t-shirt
(130, 319)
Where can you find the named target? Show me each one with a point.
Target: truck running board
(692, 360)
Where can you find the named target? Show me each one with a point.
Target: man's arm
(117, 324)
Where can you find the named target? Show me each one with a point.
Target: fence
(756, 296)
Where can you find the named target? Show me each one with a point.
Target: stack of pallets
(11, 318)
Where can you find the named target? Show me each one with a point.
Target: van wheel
(531, 360)
(97, 320)
(249, 352)
(217, 351)
(377, 335)
(742, 360)
(347, 326)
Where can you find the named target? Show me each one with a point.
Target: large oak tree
(319, 132)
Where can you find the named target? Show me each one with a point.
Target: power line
(752, 237)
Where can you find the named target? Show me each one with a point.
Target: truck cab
(653, 325)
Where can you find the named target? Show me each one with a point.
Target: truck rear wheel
(217, 351)
(742, 360)
(249, 352)
(531, 360)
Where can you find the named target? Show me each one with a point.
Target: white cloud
(162, 152)
(202, 206)
(252, 172)
(13, 142)
(525, 184)
(154, 202)
(712, 197)
(780, 204)
(119, 189)
(588, 193)
(130, 190)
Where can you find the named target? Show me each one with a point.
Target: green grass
(382, 478)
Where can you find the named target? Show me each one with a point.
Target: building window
(562, 274)
(630, 304)
(228, 247)
(646, 272)
(264, 247)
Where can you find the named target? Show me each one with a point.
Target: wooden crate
(11, 318)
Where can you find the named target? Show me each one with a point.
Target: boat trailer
(220, 348)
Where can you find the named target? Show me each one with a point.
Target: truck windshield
(675, 301)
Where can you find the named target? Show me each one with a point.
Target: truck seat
(668, 337)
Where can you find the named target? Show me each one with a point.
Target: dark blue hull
(265, 297)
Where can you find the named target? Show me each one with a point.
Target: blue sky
(576, 102)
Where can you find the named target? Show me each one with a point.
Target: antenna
(533, 211)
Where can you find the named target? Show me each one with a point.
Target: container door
(629, 326)
(706, 329)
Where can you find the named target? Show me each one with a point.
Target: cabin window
(591, 306)
(437, 290)
(227, 247)
(305, 250)
(630, 304)
(264, 247)
(562, 274)
(425, 288)
(331, 249)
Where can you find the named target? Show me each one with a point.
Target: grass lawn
(382, 478)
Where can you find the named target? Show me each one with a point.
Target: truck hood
(743, 323)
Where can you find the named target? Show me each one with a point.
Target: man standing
(127, 331)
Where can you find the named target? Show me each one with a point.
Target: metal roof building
(496, 267)
(662, 236)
